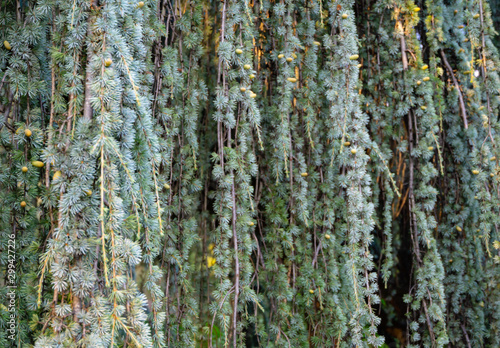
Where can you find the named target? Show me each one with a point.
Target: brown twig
(457, 86)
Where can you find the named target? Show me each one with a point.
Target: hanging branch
(457, 87)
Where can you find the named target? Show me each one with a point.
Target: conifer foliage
(242, 173)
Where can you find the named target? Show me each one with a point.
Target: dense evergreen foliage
(242, 173)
